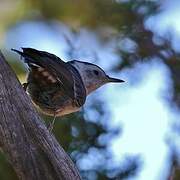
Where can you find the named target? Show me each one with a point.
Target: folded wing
(67, 76)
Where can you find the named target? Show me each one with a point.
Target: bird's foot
(51, 124)
(25, 85)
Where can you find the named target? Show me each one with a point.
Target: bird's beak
(115, 80)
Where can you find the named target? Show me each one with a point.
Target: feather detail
(55, 70)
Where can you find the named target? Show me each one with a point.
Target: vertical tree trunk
(33, 152)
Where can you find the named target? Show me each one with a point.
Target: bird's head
(92, 75)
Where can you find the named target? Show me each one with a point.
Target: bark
(30, 148)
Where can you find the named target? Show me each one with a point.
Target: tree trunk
(31, 149)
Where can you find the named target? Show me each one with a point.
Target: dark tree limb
(33, 152)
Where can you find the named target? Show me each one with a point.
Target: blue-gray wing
(67, 76)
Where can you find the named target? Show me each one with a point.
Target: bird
(58, 88)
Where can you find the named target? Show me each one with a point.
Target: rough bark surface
(33, 152)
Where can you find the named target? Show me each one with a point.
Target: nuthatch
(59, 87)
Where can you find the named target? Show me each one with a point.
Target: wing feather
(66, 75)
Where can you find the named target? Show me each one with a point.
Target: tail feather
(27, 56)
(19, 52)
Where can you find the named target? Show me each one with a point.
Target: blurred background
(124, 131)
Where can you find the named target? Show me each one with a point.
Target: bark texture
(33, 152)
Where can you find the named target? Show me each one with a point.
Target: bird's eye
(96, 72)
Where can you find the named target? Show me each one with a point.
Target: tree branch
(33, 152)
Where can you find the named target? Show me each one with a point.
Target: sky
(139, 107)
(145, 117)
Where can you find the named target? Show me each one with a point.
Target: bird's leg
(51, 125)
(25, 85)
